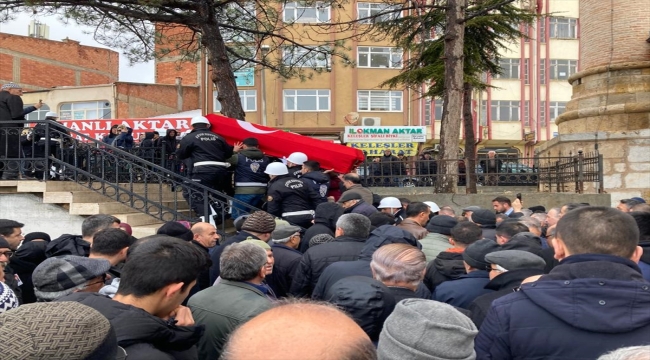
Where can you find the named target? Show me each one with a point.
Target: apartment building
(517, 114)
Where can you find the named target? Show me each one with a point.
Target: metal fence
(578, 173)
(146, 179)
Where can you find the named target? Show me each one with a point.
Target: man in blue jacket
(593, 302)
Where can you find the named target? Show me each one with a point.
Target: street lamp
(265, 50)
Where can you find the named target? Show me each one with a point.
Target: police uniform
(292, 199)
(319, 181)
(207, 152)
(250, 180)
(295, 171)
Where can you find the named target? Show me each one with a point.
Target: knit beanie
(320, 239)
(474, 254)
(177, 230)
(8, 299)
(441, 224)
(57, 330)
(37, 236)
(484, 217)
(4, 244)
(421, 329)
(259, 222)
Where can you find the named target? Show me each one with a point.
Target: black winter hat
(36, 236)
(474, 254)
(4, 244)
(537, 209)
(177, 230)
(441, 224)
(484, 217)
(348, 195)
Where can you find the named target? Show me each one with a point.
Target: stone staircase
(80, 200)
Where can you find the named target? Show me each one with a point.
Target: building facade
(38, 63)
(518, 113)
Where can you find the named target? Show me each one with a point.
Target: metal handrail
(119, 174)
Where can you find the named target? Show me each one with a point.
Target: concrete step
(145, 230)
(139, 219)
(69, 197)
(112, 207)
(41, 186)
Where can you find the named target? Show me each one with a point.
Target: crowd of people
(384, 279)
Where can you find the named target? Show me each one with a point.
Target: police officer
(207, 153)
(319, 181)
(290, 198)
(250, 180)
(294, 163)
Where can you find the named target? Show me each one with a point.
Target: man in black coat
(319, 181)
(286, 239)
(11, 108)
(352, 230)
(593, 302)
(508, 269)
(325, 218)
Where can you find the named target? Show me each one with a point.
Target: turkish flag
(280, 144)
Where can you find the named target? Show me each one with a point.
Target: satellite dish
(351, 118)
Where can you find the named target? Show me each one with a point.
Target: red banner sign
(97, 129)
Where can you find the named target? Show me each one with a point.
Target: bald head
(324, 331)
(205, 234)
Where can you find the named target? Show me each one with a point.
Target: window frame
(393, 51)
(382, 7)
(555, 23)
(513, 106)
(297, 16)
(513, 67)
(391, 94)
(305, 57)
(42, 111)
(556, 108)
(216, 105)
(296, 95)
(572, 66)
(98, 109)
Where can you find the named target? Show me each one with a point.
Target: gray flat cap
(283, 232)
(515, 260)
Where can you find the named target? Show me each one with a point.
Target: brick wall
(630, 26)
(40, 63)
(146, 100)
(174, 43)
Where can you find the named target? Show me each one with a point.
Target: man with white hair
(491, 166)
(286, 240)
(401, 268)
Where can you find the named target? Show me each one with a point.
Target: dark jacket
(11, 108)
(325, 219)
(148, 141)
(427, 167)
(295, 171)
(316, 259)
(108, 138)
(462, 291)
(215, 255)
(644, 263)
(124, 140)
(24, 262)
(392, 166)
(249, 166)
(446, 266)
(169, 142)
(588, 305)
(286, 263)
(383, 235)
(400, 293)
(318, 181)
(204, 145)
(501, 285)
(203, 280)
(362, 208)
(141, 334)
(287, 194)
(67, 244)
(489, 232)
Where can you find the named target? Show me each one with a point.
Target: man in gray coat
(237, 298)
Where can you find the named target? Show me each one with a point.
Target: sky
(143, 72)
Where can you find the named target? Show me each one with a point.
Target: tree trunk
(222, 74)
(452, 105)
(470, 141)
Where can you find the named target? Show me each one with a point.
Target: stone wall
(37, 216)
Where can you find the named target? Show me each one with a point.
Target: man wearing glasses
(11, 235)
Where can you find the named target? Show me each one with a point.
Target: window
(527, 113)
(246, 52)
(542, 71)
(89, 110)
(526, 31)
(505, 110)
(542, 113)
(306, 100)
(556, 108)
(248, 100)
(297, 12)
(526, 71)
(38, 114)
(562, 69)
(563, 28)
(371, 10)
(509, 69)
(438, 109)
(483, 119)
(379, 100)
(379, 57)
(542, 29)
(427, 111)
(301, 57)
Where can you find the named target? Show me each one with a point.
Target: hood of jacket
(134, 326)
(645, 257)
(593, 292)
(327, 214)
(168, 134)
(385, 235)
(68, 244)
(367, 300)
(252, 153)
(450, 264)
(149, 135)
(317, 176)
(110, 132)
(28, 256)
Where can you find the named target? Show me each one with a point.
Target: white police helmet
(276, 168)
(390, 203)
(297, 158)
(199, 120)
